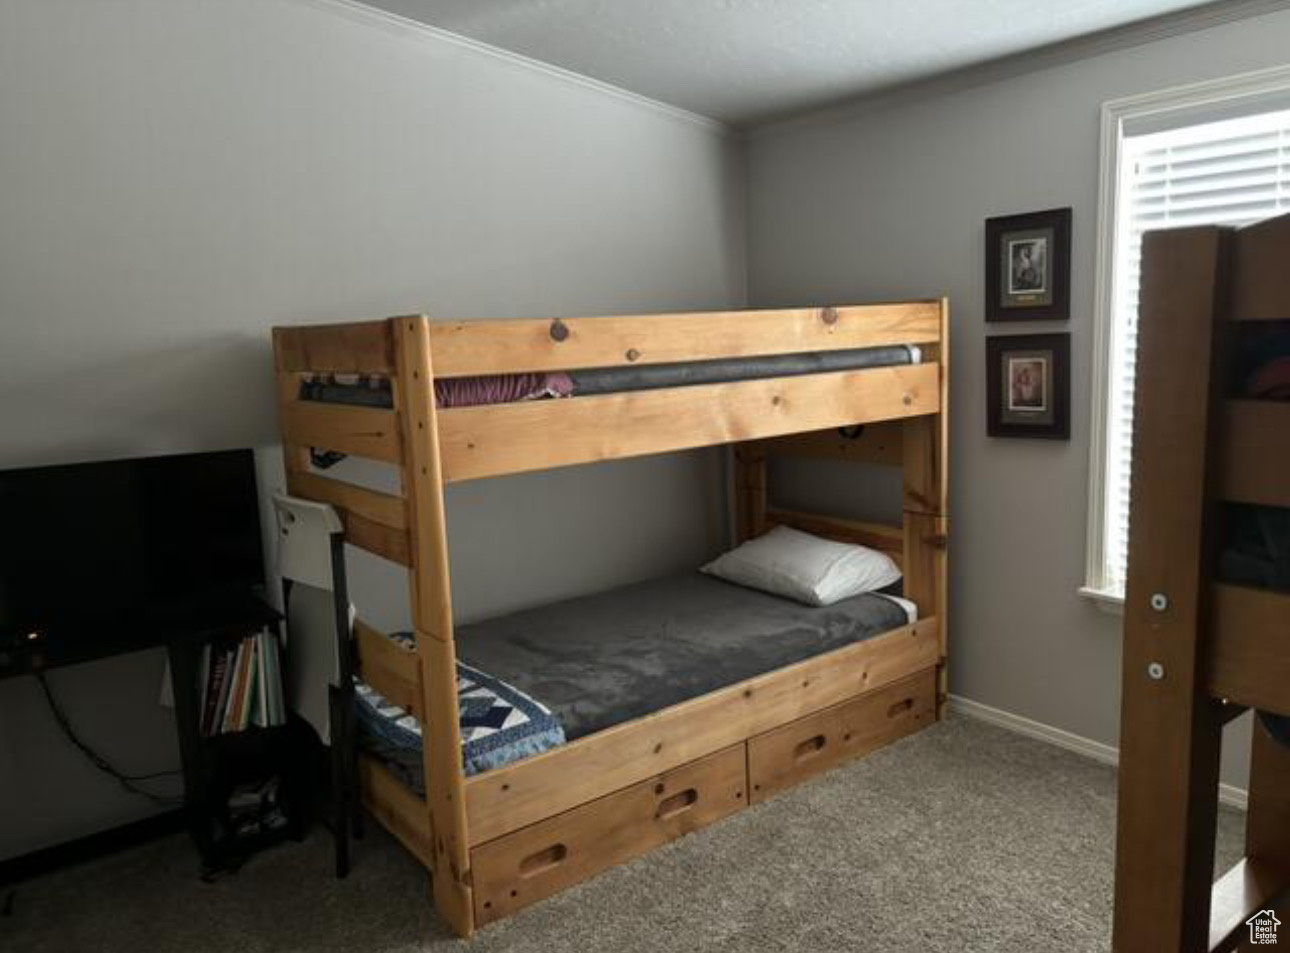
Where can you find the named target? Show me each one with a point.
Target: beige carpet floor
(964, 838)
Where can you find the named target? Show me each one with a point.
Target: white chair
(311, 553)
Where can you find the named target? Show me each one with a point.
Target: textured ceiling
(744, 61)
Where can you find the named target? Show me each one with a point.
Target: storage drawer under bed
(786, 756)
(535, 862)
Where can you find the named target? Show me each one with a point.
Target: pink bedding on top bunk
(1262, 361)
(500, 388)
(1270, 381)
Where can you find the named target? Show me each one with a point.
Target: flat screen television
(92, 550)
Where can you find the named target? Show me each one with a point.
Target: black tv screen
(126, 542)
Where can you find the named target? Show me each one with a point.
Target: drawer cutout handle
(677, 803)
(900, 708)
(809, 747)
(543, 860)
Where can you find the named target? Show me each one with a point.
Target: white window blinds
(1231, 172)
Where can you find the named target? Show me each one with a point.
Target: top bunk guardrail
(496, 439)
(1238, 276)
(1254, 459)
(509, 346)
(462, 348)
(1255, 450)
(1260, 256)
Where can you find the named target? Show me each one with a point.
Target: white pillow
(818, 572)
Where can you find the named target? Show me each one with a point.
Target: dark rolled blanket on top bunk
(1257, 547)
(508, 388)
(1262, 365)
(613, 380)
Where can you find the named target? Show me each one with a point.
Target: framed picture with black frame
(1028, 266)
(1028, 386)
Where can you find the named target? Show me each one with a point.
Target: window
(1212, 154)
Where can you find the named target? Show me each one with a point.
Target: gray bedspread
(600, 660)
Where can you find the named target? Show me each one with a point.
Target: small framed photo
(1028, 270)
(1028, 378)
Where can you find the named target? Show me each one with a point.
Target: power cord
(127, 781)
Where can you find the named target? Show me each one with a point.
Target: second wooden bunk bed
(497, 841)
(1201, 648)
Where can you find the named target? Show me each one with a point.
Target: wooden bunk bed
(502, 839)
(1199, 649)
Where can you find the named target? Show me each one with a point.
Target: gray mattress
(600, 660)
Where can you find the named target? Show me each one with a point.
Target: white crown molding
(1130, 35)
(1228, 794)
(1204, 93)
(393, 22)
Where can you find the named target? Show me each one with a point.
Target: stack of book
(241, 685)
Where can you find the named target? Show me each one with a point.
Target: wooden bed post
(1267, 827)
(295, 458)
(432, 619)
(927, 509)
(1171, 731)
(751, 490)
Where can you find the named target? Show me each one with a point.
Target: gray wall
(889, 203)
(180, 175)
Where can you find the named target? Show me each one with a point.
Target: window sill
(1109, 601)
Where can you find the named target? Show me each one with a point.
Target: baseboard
(1228, 794)
(24, 867)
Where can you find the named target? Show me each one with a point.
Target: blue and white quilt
(499, 725)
